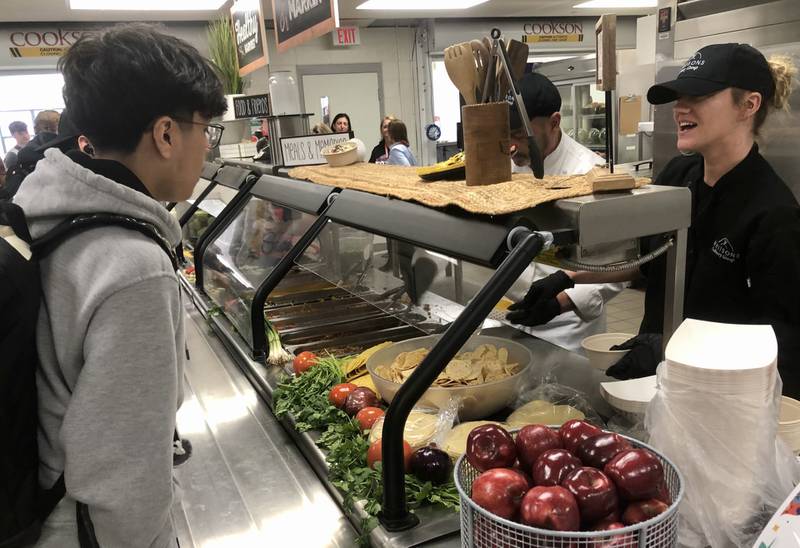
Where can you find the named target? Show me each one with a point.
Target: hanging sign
(248, 31)
(251, 106)
(306, 150)
(298, 21)
(346, 36)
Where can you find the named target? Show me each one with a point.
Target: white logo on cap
(694, 63)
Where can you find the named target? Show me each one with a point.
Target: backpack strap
(47, 243)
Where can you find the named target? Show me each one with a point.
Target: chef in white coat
(548, 305)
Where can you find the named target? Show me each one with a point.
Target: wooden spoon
(460, 65)
(482, 60)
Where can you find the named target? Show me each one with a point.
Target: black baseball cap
(539, 95)
(717, 67)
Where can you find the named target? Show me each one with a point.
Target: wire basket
(482, 529)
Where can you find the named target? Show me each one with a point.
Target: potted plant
(222, 45)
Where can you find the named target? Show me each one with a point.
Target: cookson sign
(552, 31)
(39, 43)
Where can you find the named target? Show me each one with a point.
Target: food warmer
(317, 263)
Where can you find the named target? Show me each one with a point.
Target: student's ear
(555, 120)
(164, 133)
(750, 104)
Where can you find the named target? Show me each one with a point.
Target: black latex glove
(540, 305)
(641, 361)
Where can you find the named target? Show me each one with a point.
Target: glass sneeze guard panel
(238, 260)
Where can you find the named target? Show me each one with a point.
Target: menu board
(306, 150)
(248, 31)
(297, 21)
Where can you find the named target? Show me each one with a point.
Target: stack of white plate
(716, 417)
(631, 396)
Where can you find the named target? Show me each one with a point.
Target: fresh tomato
(338, 394)
(374, 454)
(303, 361)
(367, 417)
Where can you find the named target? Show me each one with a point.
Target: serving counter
(337, 270)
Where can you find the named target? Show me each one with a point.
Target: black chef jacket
(742, 257)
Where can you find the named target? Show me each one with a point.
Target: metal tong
(499, 56)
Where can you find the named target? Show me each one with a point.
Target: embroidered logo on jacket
(723, 249)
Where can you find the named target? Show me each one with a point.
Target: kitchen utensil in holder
(487, 143)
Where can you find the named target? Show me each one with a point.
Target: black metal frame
(394, 514)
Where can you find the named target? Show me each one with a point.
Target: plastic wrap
(424, 425)
(551, 399)
(736, 471)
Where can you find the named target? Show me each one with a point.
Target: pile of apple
(579, 478)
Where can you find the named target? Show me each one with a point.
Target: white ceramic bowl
(337, 158)
(597, 349)
(789, 423)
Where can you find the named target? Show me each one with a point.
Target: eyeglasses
(213, 131)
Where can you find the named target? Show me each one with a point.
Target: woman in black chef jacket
(743, 250)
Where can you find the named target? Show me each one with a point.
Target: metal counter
(248, 483)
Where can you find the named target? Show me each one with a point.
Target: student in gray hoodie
(110, 333)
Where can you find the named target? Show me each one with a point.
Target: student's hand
(544, 301)
(641, 361)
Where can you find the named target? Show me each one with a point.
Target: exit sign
(346, 36)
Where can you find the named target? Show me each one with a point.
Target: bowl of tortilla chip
(483, 377)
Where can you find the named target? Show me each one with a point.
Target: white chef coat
(569, 158)
(567, 330)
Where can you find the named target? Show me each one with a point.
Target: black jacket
(378, 151)
(742, 257)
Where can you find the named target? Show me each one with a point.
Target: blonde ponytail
(783, 72)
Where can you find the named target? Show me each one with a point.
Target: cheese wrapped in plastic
(420, 429)
(543, 412)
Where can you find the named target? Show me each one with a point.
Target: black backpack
(24, 506)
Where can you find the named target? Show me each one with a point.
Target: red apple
(663, 494)
(603, 523)
(595, 493)
(642, 510)
(490, 446)
(598, 450)
(637, 473)
(553, 465)
(574, 431)
(626, 540)
(552, 508)
(533, 440)
(500, 491)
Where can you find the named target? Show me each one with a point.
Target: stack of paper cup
(715, 415)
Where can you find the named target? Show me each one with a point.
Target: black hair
(118, 82)
(342, 115)
(16, 127)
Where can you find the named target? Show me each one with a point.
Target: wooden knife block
(603, 181)
(487, 143)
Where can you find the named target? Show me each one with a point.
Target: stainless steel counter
(247, 483)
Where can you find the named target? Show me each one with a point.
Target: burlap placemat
(522, 192)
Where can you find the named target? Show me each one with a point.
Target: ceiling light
(618, 4)
(147, 5)
(419, 4)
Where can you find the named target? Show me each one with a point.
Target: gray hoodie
(111, 346)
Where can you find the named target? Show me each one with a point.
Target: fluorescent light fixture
(599, 4)
(147, 5)
(419, 4)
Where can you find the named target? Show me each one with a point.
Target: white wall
(392, 47)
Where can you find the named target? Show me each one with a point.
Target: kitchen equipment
(518, 59)
(487, 143)
(482, 529)
(598, 349)
(476, 401)
(481, 53)
(460, 65)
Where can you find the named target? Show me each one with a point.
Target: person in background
(45, 128)
(112, 348)
(399, 153)
(381, 151)
(19, 131)
(562, 154)
(321, 128)
(341, 123)
(554, 308)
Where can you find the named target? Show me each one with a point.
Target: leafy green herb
(306, 396)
